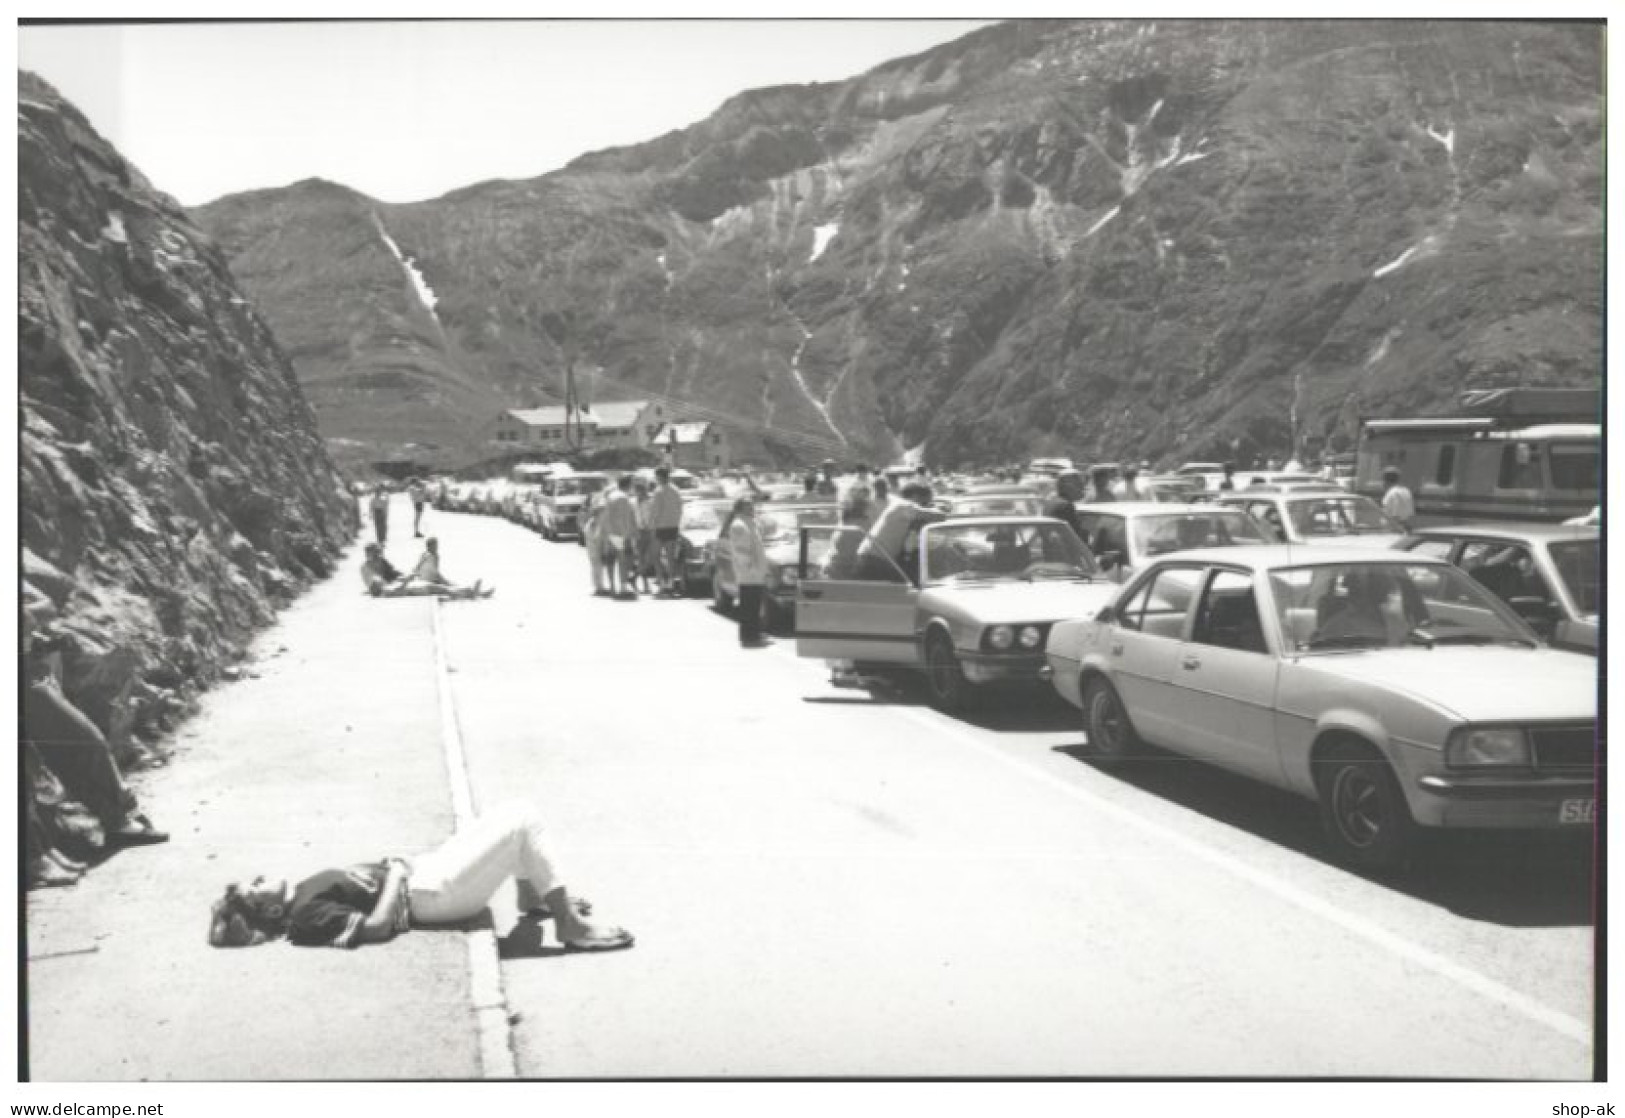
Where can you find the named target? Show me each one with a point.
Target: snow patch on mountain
(425, 293)
(822, 236)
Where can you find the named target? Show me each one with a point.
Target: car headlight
(1469, 748)
(1031, 636)
(1000, 637)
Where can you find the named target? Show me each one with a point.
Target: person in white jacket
(750, 569)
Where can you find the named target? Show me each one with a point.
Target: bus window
(1574, 466)
(1520, 467)
(1445, 471)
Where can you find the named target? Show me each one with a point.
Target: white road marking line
(1571, 1027)
(484, 971)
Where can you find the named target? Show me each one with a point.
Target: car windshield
(1010, 551)
(995, 506)
(697, 517)
(579, 486)
(776, 524)
(1344, 606)
(1576, 562)
(1164, 532)
(1339, 516)
(678, 481)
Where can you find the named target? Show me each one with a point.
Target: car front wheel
(1112, 739)
(944, 678)
(1363, 810)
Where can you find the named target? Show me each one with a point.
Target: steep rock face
(173, 487)
(1101, 238)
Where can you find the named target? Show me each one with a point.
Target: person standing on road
(1063, 505)
(617, 529)
(750, 571)
(379, 506)
(1102, 478)
(827, 486)
(1397, 501)
(666, 515)
(592, 541)
(373, 902)
(1229, 482)
(420, 497)
(644, 550)
(1132, 489)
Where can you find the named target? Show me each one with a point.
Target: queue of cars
(1291, 633)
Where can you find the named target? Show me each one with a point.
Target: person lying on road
(376, 901)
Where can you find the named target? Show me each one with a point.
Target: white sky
(406, 111)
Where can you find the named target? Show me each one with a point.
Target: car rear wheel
(1112, 739)
(944, 679)
(1362, 808)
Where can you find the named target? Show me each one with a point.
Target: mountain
(173, 487)
(1171, 239)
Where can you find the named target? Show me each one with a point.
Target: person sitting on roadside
(428, 573)
(373, 902)
(384, 581)
(62, 738)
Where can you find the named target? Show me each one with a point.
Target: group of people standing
(631, 532)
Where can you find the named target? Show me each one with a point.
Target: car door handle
(1117, 648)
(1190, 663)
(809, 592)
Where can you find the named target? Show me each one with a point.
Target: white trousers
(455, 881)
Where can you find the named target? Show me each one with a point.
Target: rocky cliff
(1100, 238)
(173, 487)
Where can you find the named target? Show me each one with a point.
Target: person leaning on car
(889, 531)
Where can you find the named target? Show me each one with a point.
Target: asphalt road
(823, 883)
(829, 883)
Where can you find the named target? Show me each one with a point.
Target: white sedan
(1393, 690)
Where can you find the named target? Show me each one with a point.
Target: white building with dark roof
(616, 424)
(699, 444)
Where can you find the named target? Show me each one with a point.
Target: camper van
(1531, 454)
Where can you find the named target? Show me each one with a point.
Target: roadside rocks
(174, 490)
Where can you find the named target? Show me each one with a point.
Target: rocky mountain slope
(173, 487)
(1101, 238)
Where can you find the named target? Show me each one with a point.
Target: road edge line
(490, 1001)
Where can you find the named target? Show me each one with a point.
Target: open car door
(852, 604)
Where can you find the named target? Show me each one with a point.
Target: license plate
(1577, 811)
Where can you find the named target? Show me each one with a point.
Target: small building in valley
(701, 444)
(620, 424)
